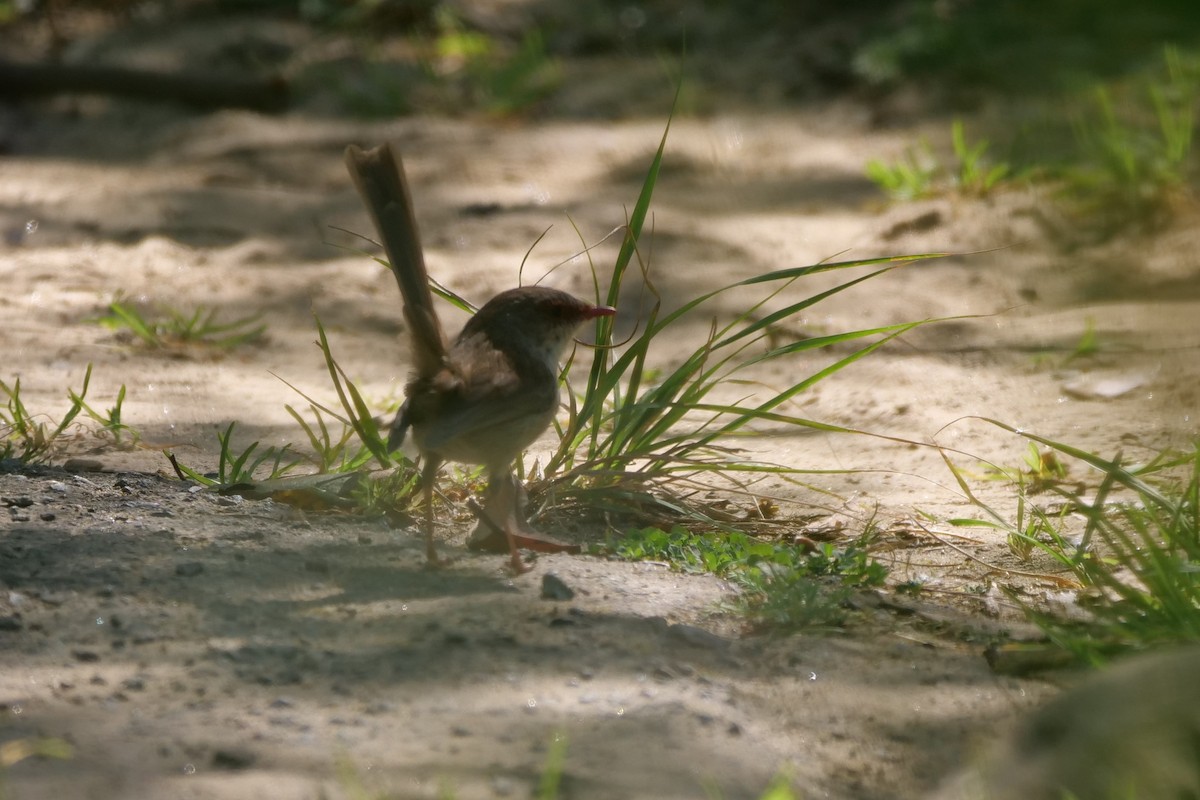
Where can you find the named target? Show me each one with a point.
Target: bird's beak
(601, 311)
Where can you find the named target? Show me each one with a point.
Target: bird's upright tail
(378, 175)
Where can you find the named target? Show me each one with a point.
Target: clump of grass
(176, 330)
(974, 175)
(244, 466)
(783, 586)
(29, 437)
(499, 78)
(1042, 469)
(918, 173)
(910, 177)
(343, 443)
(1135, 145)
(1136, 566)
(1131, 162)
(638, 434)
(393, 494)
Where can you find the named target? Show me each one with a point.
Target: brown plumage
(488, 396)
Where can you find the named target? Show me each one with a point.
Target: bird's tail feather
(378, 175)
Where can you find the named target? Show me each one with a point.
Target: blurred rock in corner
(1131, 731)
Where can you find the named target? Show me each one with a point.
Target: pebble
(233, 758)
(189, 569)
(554, 588)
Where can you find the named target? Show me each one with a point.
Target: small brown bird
(488, 396)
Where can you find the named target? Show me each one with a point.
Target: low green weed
(1135, 144)
(1137, 562)
(29, 437)
(241, 466)
(173, 329)
(974, 176)
(392, 493)
(357, 415)
(1042, 470)
(498, 78)
(918, 173)
(783, 587)
(910, 177)
(638, 434)
(343, 444)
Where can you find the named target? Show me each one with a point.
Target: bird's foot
(490, 538)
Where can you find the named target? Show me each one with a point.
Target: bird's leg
(501, 510)
(502, 522)
(428, 476)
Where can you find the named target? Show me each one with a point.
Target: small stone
(553, 588)
(233, 758)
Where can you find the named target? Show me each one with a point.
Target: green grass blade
(357, 413)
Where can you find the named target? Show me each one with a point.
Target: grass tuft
(641, 435)
(918, 173)
(1135, 145)
(177, 330)
(1135, 568)
(783, 586)
(236, 467)
(30, 438)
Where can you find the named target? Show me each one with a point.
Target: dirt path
(195, 646)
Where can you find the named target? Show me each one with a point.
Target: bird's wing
(487, 399)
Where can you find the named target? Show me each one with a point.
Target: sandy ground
(190, 645)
